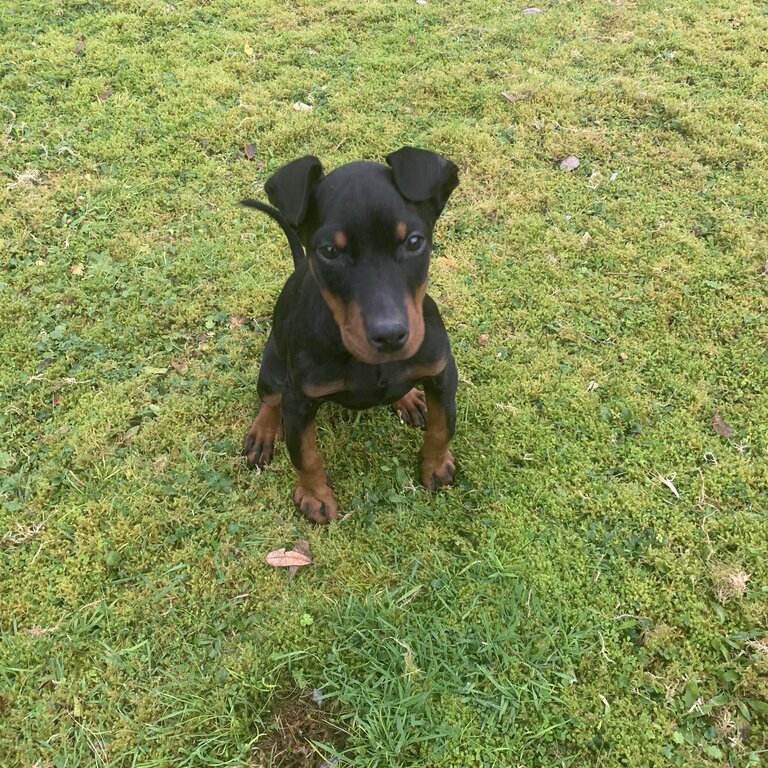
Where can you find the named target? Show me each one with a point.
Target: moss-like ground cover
(591, 593)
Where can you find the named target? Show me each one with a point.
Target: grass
(592, 592)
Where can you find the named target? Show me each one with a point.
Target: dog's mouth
(385, 342)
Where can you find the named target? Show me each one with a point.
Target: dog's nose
(388, 335)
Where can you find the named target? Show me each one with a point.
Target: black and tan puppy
(354, 323)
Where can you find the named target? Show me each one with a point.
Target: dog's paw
(412, 408)
(260, 439)
(437, 473)
(317, 504)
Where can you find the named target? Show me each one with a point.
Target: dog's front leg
(437, 465)
(313, 496)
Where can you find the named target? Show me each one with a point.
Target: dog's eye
(415, 243)
(328, 252)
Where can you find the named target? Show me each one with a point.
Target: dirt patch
(298, 721)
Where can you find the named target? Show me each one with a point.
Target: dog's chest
(374, 385)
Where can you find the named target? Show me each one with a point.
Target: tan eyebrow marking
(340, 239)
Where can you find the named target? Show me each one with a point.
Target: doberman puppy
(353, 323)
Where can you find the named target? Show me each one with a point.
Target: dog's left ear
(421, 175)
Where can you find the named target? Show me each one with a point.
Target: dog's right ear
(290, 188)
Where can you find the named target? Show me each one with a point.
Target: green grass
(562, 605)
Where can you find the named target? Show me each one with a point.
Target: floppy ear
(289, 189)
(421, 175)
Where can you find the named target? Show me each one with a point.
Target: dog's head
(367, 229)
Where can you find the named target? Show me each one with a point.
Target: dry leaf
(586, 239)
(237, 321)
(531, 10)
(279, 558)
(300, 106)
(250, 151)
(180, 366)
(483, 339)
(104, 95)
(570, 163)
(79, 48)
(248, 50)
(77, 269)
(302, 547)
(56, 401)
(722, 427)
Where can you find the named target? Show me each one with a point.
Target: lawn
(594, 589)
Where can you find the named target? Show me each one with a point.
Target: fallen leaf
(279, 558)
(79, 48)
(570, 163)
(77, 269)
(722, 427)
(237, 321)
(300, 106)
(302, 547)
(105, 94)
(248, 50)
(623, 356)
(586, 239)
(483, 339)
(250, 151)
(180, 366)
(56, 400)
(531, 10)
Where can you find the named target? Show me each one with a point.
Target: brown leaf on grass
(237, 321)
(293, 559)
(280, 558)
(483, 339)
(302, 547)
(180, 366)
(723, 428)
(78, 270)
(570, 163)
(105, 94)
(79, 48)
(250, 151)
(531, 10)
